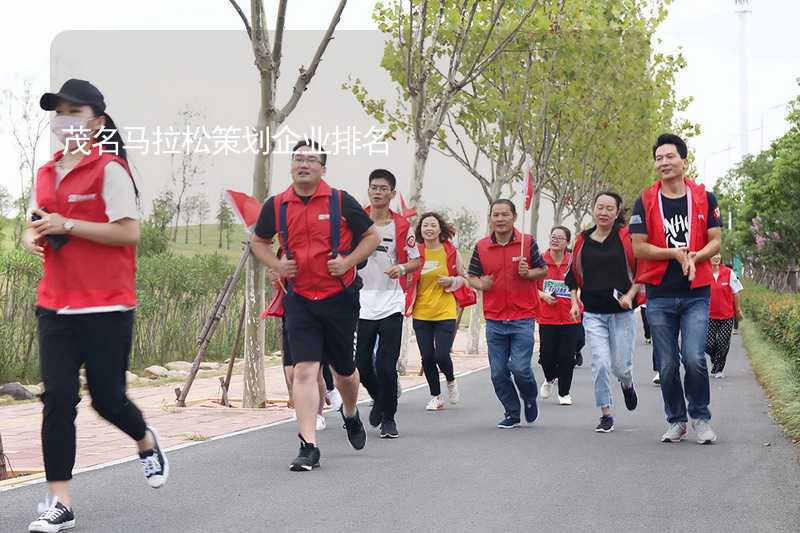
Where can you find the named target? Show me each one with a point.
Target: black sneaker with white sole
(631, 400)
(606, 424)
(56, 518)
(155, 463)
(389, 429)
(508, 422)
(307, 459)
(356, 433)
(375, 415)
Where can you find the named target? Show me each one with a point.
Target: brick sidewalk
(99, 442)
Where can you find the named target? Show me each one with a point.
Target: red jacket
(722, 298)
(558, 313)
(309, 231)
(511, 297)
(83, 273)
(454, 269)
(652, 272)
(402, 240)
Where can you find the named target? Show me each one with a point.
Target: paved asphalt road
(453, 471)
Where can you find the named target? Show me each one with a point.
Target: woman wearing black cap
(85, 229)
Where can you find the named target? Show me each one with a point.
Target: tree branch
(243, 17)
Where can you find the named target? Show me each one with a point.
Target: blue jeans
(611, 338)
(688, 317)
(510, 353)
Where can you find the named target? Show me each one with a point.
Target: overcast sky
(705, 30)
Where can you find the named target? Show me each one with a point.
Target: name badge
(324, 216)
(74, 198)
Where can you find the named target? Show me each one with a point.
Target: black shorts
(286, 351)
(323, 330)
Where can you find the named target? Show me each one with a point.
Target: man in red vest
(676, 229)
(322, 304)
(382, 301)
(510, 302)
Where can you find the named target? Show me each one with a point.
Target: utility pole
(744, 128)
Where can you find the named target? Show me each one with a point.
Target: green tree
(224, 221)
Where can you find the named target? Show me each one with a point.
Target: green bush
(175, 295)
(777, 316)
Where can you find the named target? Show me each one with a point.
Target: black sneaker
(355, 430)
(56, 518)
(606, 424)
(631, 400)
(375, 415)
(389, 429)
(508, 423)
(307, 459)
(155, 463)
(579, 359)
(531, 411)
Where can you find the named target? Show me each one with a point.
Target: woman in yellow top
(431, 302)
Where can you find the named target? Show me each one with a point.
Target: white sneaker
(336, 399)
(703, 432)
(452, 392)
(718, 375)
(321, 423)
(436, 404)
(547, 389)
(565, 400)
(657, 379)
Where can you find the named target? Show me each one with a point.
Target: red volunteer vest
(310, 242)
(401, 241)
(413, 284)
(652, 272)
(722, 305)
(511, 297)
(83, 273)
(558, 313)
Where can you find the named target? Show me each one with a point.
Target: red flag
(529, 189)
(405, 210)
(246, 207)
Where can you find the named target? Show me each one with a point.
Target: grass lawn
(777, 376)
(210, 244)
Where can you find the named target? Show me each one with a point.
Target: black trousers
(101, 342)
(557, 347)
(380, 378)
(645, 323)
(435, 340)
(718, 342)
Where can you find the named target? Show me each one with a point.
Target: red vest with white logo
(402, 240)
(558, 313)
(722, 306)
(310, 242)
(83, 273)
(511, 297)
(652, 272)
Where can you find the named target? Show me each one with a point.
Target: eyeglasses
(310, 160)
(379, 188)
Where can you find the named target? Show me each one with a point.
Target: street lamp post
(744, 129)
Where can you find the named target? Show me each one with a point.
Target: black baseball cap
(77, 92)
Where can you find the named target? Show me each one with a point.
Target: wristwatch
(68, 225)
(402, 270)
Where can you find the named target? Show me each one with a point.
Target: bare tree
(268, 56)
(186, 167)
(27, 124)
(202, 209)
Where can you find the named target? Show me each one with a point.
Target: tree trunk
(421, 153)
(2, 460)
(473, 347)
(219, 246)
(200, 237)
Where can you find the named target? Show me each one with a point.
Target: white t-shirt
(736, 285)
(382, 296)
(120, 199)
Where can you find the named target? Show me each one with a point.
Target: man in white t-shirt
(382, 301)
